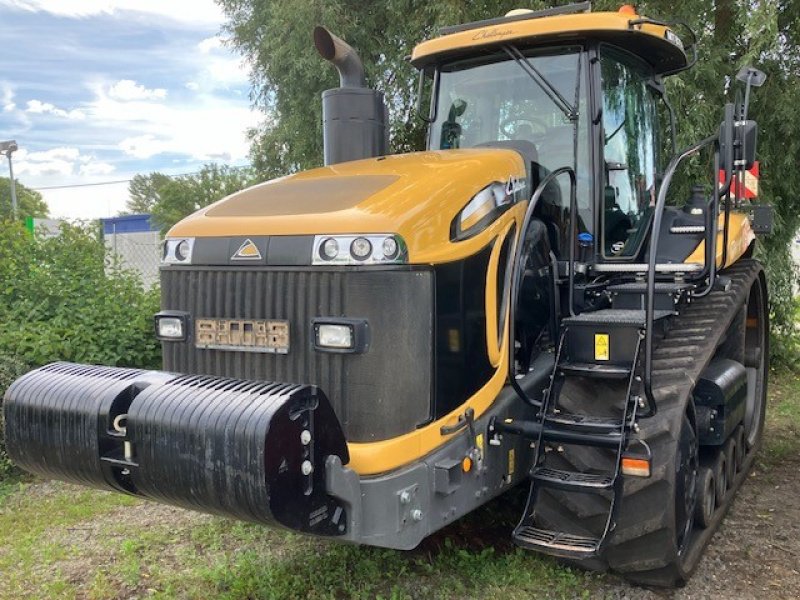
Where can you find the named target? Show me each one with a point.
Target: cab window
(631, 139)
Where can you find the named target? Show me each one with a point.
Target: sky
(96, 91)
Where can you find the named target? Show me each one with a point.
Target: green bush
(61, 300)
(10, 369)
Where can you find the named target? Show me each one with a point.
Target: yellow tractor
(370, 350)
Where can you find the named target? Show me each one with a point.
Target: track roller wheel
(706, 501)
(741, 447)
(730, 452)
(720, 470)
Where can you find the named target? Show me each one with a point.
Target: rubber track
(642, 545)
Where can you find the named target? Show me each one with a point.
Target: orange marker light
(466, 464)
(627, 9)
(636, 467)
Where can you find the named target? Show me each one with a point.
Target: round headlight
(329, 249)
(361, 248)
(390, 247)
(182, 250)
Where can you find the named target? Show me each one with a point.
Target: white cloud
(91, 202)
(60, 162)
(95, 168)
(127, 89)
(210, 44)
(192, 85)
(39, 107)
(187, 12)
(7, 99)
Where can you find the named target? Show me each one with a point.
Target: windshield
(489, 99)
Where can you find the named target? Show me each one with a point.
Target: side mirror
(458, 108)
(751, 76)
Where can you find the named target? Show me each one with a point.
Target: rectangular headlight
(340, 334)
(171, 326)
(335, 336)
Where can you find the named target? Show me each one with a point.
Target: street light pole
(8, 149)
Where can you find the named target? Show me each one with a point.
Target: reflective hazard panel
(601, 345)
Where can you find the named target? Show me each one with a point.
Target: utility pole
(8, 148)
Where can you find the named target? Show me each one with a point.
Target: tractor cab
(579, 90)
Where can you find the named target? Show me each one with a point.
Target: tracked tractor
(369, 350)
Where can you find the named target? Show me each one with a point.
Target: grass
(782, 428)
(60, 541)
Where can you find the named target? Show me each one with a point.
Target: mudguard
(251, 450)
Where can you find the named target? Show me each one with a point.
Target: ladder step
(554, 433)
(572, 480)
(600, 371)
(640, 287)
(556, 543)
(584, 422)
(615, 316)
(688, 229)
(645, 267)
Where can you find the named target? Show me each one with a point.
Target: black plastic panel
(462, 360)
(382, 393)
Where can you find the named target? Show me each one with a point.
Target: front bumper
(270, 453)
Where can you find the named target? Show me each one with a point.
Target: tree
(288, 76)
(143, 192)
(29, 202)
(169, 199)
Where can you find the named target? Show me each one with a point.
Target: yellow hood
(414, 195)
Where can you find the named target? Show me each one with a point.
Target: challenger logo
(248, 250)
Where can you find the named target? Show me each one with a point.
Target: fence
(132, 243)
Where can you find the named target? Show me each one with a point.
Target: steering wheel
(509, 126)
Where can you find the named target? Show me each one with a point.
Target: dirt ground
(756, 552)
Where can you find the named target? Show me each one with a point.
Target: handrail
(661, 200)
(516, 273)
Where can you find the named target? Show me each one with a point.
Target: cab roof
(651, 40)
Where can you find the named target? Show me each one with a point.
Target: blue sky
(99, 90)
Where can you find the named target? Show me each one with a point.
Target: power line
(80, 185)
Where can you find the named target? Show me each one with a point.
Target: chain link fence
(132, 244)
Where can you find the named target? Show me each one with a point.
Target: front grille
(376, 395)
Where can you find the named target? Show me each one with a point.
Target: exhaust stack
(354, 117)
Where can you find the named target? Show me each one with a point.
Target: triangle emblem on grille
(248, 250)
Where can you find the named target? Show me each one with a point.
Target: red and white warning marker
(750, 183)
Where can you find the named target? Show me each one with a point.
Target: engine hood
(414, 195)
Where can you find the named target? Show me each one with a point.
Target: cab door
(630, 148)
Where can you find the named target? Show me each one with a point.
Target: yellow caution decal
(512, 462)
(601, 346)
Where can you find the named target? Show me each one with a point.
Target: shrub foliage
(61, 300)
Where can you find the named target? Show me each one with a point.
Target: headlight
(334, 336)
(329, 249)
(361, 249)
(172, 326)
(484, 207)
(341, 335)
(366, 249)
(177, 251)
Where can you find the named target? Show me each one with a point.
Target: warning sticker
(601, 346)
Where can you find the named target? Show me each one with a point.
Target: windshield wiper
(571, 112)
